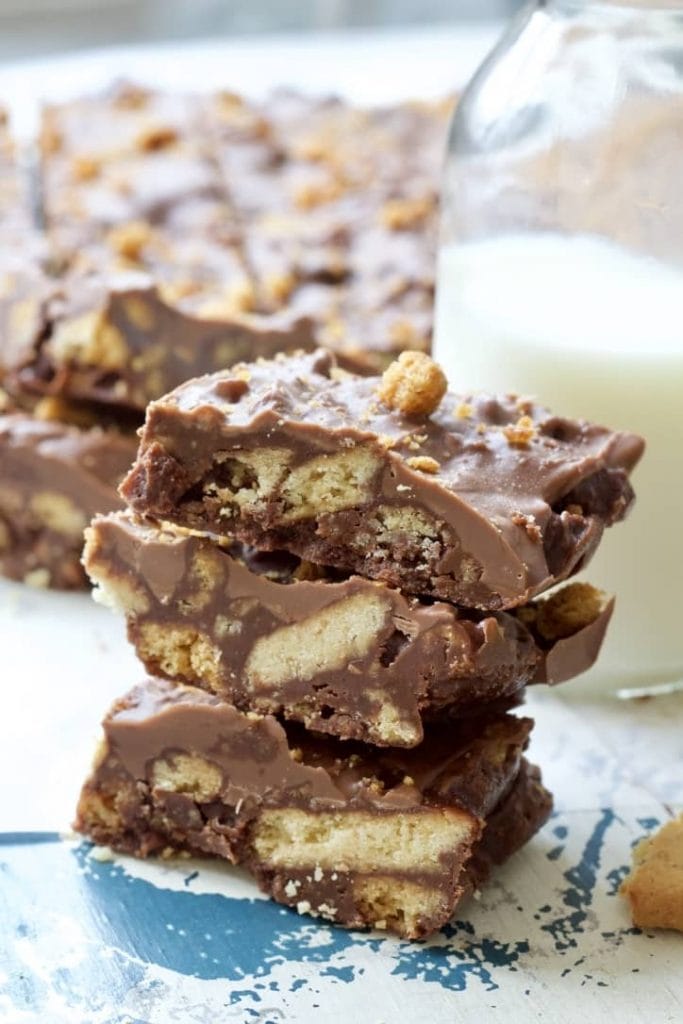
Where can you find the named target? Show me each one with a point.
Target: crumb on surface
(128, 240)
(155, 137)
(654, 889)
(424, 464)
(413, 384)
(520, 433)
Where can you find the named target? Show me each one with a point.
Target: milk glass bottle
(561, 272)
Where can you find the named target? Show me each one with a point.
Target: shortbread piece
(53, 479)
(344, 655)
(654, 889)
(294, 455)
(335, 829)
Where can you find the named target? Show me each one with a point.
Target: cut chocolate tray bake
(341, 654)
(356, 835)
(481, 501)
(182, 233)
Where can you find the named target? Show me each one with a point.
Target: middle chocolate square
(344, 655)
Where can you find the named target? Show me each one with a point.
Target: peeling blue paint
(265, 954)
(578, 896)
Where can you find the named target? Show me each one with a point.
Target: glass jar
(561, 271)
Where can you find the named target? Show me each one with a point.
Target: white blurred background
(34, 27)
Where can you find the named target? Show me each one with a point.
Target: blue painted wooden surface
(87, 940)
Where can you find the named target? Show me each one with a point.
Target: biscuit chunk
(295, 455)
(654, 889)
(390, 840)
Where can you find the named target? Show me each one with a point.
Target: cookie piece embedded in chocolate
(53, 479)
(486, 502)
(340, 830)
(343, 655)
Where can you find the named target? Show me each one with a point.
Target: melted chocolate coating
(503, 522)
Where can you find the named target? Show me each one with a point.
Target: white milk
(591, 331)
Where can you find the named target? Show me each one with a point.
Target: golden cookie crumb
(568, 610)
(313, 194)
(128, 240)
(279, 287)
(654, 889)
(521, 432)
(51, 140)
(424, 464)
(335, 329)
(132, 97)
(156, 136)
(413, 384)
(403, 214)
(176, 291)
(238, 298)
(85, 168)
(313, 149)
(463, 411)
(229, 100)
(55, 409)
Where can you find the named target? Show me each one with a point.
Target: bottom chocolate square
(391, 839)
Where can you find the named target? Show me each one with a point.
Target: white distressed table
(86, 939)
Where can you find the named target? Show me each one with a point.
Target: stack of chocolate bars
(162, 236)
(334, 581)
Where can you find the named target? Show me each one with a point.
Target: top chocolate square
(478, 500)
